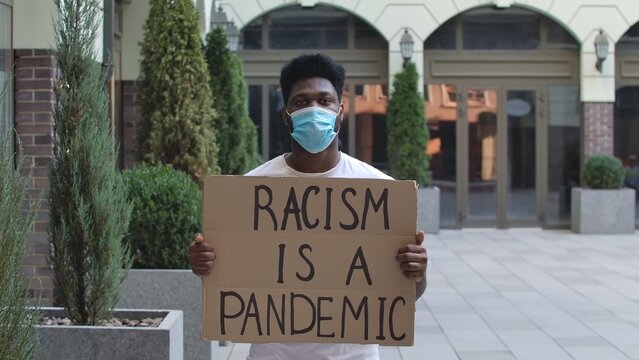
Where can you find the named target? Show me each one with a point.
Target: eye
(325, 101)
(300, 102)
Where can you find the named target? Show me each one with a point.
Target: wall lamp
(406, 44)
(601, 49)
(220, 20)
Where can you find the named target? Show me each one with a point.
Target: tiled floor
(523, 294)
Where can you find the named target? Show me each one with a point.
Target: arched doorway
(626, 125)
(502, 103)
(275, 37)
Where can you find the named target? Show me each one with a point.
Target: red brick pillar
(130, 117)
(34, 126)
(598, 131)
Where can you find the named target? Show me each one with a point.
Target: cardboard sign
(308, 260)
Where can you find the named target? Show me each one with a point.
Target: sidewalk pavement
(523, 294)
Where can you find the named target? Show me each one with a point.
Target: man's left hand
(413, 259)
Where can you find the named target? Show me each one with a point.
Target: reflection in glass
(366, 37)
(563, 151)
(443, 38)
(6, 58)
(522, 203)
(371, 102)
(482, 153)
(510, 29)
(279, 136)
(255, 111)
(252, 35)
(626, 128)
(299, 28)
(441, 113)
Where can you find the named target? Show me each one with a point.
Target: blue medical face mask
(314, 128)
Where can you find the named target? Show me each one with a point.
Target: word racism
(314, 263)
(264, 200)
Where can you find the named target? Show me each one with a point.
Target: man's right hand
(200, 256)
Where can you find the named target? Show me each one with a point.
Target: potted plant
(17, 319)
(603, 207)
(407, 140)
(89, 213)
(166, 213)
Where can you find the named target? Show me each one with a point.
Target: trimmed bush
(603, 172)
(236, 133)
(166, 214)
(177, 123)
(407, 129)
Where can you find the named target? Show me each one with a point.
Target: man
(312, 90)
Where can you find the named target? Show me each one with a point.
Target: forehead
(312, 86)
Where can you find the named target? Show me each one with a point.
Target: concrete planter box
(428, 209)
(171, 289)
(603, 211)
(107, 343)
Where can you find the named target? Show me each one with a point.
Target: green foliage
(17, 331)
(603, 172)
(89, 211)
(166, 213)
(177, 122)
(407, 129)
(236, 133)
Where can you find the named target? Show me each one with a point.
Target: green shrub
(18, 338)
(603, 172)
(166, 214)
(407, 130)
(88, 210)
(177, 123)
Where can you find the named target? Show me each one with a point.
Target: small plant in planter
(89, 212)
(603, 172)
(604, 207)
(18, 339)
(166, 214)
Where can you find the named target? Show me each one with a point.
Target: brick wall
(130, 117)
(598, 131)
(34, 127)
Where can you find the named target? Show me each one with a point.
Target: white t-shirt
(347, 167)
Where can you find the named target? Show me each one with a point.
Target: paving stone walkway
(523, 294)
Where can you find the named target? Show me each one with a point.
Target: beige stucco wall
(582, 18)
(33, 26)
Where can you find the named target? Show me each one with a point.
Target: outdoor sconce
(220, 20)
(406, 44)
(601, 49)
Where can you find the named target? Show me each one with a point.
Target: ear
(286, 118)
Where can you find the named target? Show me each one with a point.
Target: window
(317, 28)
(6, 59)
(511, 29)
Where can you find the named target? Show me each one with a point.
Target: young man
(312, 89)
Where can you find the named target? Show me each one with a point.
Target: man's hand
(413, 260)
(200, 256)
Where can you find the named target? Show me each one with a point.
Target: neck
(303, 161)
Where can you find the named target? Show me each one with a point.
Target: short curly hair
(310, 66)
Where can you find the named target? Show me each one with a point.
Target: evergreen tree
(407, 129)
(236, 133)
(17, 319)
(177, 122)
(89, 212)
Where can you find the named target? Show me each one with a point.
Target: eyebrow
(306, 94)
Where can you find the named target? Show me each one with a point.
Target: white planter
(170, 289)
(603, 211)
(72, 342)
(428, 209)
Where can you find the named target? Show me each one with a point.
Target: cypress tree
(89, 212)
(407, 129)
(177, 122)
(17, 319)
(236, 133)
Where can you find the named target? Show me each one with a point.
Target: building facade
(513, 96)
